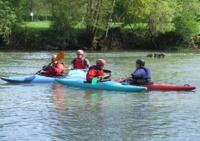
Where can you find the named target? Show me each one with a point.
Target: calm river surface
(53, 112)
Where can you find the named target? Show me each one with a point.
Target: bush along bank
(30, 39)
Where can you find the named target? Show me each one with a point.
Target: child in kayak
(80, 62)
(97, 71)
(54, 68)
(141, 76)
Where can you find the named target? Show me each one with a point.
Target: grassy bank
(46, 25)
(39, 35)
(37, 24)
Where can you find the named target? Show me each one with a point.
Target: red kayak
(165, 87)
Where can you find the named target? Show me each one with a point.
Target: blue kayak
(107, 85)
(45, 79)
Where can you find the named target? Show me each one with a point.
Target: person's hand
(100, 77)
(52, 66)
(123, 80)
(38, 72)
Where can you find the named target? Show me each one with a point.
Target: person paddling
(46, 67)
(80, 62)
(54, 68)
(97, 71)
(141, 76)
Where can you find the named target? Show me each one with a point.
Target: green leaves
(144, 18)
(161, 17)
(7, 19)
(186, 23)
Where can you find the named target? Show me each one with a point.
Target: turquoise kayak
(107, 85)
(45, 79)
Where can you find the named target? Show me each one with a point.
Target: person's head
(80, 53)
(53, 58)
(100, 63)
(140, 63)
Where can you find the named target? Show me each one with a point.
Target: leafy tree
(97, 19)
(186, 23)
(66, 14)
(160, 19)
(8, 18)
(133, 11)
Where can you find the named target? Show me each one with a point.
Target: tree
(8, 18)
(160, 19)
(186, 23)
(133, 11)
(97, 19)
(65, 15)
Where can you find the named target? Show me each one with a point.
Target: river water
(53, 112)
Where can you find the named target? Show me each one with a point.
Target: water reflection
(93, 100)
(57, 112)
(59, 101)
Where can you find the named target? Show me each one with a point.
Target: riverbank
(41, 36)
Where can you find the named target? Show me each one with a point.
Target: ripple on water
(55, 112)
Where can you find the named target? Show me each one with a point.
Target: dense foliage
(97, 24)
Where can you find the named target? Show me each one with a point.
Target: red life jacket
(79, 63)
(58, 70)
(93, 72)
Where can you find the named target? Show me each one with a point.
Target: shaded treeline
(101, 24)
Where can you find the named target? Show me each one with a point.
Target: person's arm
(91, 74)
(87, 63)
(127, 78)
(139, 73)
(48, 73)
(72, 65)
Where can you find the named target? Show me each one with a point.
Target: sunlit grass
(37, 25)
(46, 25)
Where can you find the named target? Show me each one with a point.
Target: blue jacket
(141, 76)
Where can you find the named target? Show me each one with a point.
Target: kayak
(168, 87)
(107, 85)
(165, 87)
(44, 79)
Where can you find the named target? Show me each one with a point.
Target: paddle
(95, 80)
(59, 57)
(109, 71)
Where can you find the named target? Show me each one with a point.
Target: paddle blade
(60, 56)
(95, 80)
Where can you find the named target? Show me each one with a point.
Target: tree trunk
(92, 29)
(151, 32)
(108, 21)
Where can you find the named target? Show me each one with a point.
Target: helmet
(80, 52)
(140, 62)
(100, 62)
(53, 57)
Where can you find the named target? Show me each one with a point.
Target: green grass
(45, 25)
(37, 25)
(79, 26)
